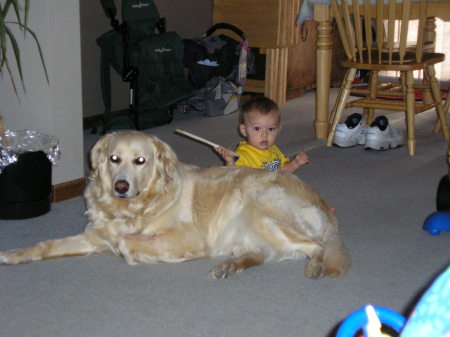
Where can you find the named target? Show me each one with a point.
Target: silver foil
(24, 141)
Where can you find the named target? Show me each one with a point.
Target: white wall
(54, 109)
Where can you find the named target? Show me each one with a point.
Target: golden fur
(146, 206)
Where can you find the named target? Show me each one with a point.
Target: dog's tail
(336, 260)
(77, 245)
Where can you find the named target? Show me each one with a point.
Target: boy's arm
(298, 161)
(226, 155)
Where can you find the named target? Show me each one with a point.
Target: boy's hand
(226, 155)
(295, 163)
(301, 159)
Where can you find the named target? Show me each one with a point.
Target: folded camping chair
(151, 62)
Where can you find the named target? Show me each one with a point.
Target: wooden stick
(2, 132)
(203, 140)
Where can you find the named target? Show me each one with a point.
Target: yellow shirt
(271, 159)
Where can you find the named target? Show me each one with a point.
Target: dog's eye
(139, 161)
(115, 158)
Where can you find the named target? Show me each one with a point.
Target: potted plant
(26, 157)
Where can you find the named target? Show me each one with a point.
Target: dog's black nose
(121, 186)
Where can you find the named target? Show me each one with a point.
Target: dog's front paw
(3, 259)
(224, 269)
(314, 269)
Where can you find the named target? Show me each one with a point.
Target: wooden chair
(383, 54)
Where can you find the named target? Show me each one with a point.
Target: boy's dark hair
(262, 104)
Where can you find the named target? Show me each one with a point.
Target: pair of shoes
(379, 136)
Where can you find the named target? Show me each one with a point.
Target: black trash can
(25, 186)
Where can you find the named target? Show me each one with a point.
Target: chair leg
(373, 88)
(333, 111)
(340, 105)
(403, 84)
(338, 99)
(403, 88)
(447, 102)
(410, 113)
(437, 126)
(435, 91)
(427, 96)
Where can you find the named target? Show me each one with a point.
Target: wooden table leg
(323, 69)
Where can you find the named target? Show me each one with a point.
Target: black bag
(210, 56)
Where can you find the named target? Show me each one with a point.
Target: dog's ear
(165, 159)
(98, 153)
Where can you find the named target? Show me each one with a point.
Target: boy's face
(261, 130)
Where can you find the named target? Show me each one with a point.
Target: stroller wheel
(443, 194)
(171, 109)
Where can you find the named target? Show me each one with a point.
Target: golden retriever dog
(145, 205)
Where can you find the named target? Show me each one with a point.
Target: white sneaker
(381, 136)
(352, 132)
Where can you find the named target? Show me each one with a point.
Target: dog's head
(128, 163)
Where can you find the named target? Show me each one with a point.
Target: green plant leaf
(7, 37)
(27, 10)
(41, 54)
(16, 7)
(12, 79)
(16, 51)
(2, 39)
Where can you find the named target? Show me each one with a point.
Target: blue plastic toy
(358, 320)
(437, 222)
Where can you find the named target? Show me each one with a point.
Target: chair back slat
(358, 29)
(358, 19)
(421, 30)
(350, 31)
(341, 27)
(368, 28)
(404, 28)
(380, 28)
(391, 28)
